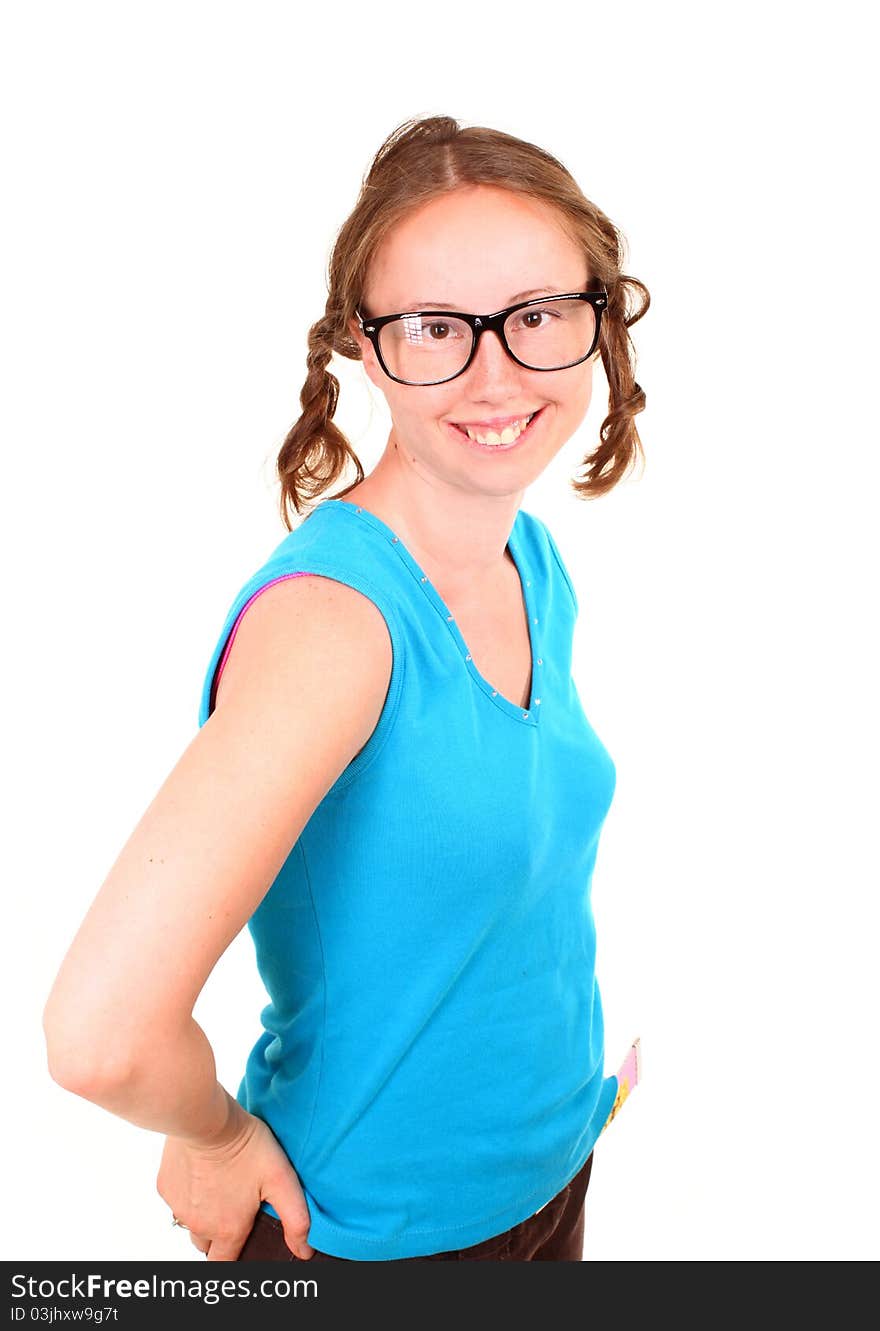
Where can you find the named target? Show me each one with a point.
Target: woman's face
(478, 250)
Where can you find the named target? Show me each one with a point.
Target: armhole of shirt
(261, 583)
(563, 570)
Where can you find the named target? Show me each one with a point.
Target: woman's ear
(354, 328)
(368, 354)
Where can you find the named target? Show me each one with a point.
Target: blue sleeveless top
(432, 1054)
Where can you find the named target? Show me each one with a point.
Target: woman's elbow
(79, 1059)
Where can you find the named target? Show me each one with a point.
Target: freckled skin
(477, 248)
(473, 250)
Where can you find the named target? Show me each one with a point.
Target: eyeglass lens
(425, 349)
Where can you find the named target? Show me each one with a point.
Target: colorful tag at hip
(627, 1078)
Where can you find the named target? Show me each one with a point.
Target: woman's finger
(225, 1250)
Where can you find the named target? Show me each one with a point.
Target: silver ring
(175, 1221)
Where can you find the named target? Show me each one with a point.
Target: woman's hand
(215, 1188)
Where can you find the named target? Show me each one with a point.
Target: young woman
(394, 784)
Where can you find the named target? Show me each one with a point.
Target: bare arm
(301, 692)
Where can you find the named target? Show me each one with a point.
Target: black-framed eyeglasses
(425, 347)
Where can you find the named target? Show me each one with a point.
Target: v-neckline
(526, 715)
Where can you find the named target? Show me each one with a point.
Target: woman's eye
(534, 318)
(437, 331)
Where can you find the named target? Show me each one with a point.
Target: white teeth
(492, 438)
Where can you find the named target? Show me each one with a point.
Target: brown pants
(554, 1234)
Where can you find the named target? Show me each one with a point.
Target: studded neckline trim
(526, 715)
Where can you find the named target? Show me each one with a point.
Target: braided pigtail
(620, 446)
(628, 301)
(315, 451)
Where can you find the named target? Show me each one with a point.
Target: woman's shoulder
(543, 550)
(322, 580)
(303, 618)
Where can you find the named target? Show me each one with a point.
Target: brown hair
(419, 161)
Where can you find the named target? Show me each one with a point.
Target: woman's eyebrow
(520, 295)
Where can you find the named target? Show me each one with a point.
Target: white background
(174, 177)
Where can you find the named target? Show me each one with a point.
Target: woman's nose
(492, 368)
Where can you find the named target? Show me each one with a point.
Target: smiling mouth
(489, 438)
